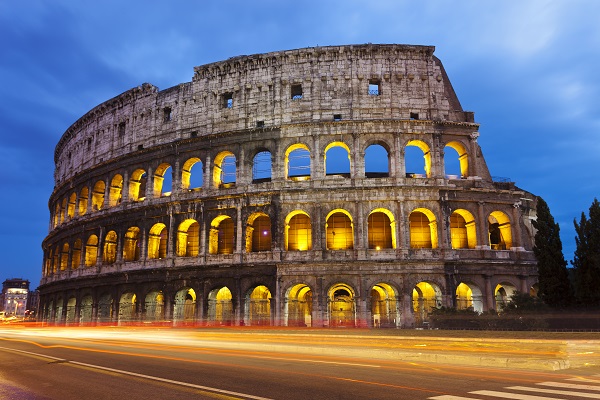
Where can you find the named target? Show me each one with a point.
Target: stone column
(489, 293)
(482, 228)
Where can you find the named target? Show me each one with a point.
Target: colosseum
(320, 187)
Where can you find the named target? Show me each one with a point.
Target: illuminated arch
(224, 170)
(381, 229)
(188, 234)
(85, 309)
(105, 307)
(98, 195)
(159, 177)
(337, 159)
(184, 308)
(63, 211)
(154, 306)
(427, 296)
(258, 306)
(76, 254)
(84, 195)
(56, 214)
(91, 251)
(222, 235)
(426, 156)
(131, 247)
(115, 191)
(339, 230)
(423, 229)
(109, 255)
(503, 293)
(192, 168)
(157, 241)
(463, 233)
(137, 185)
(499, 230)
(377, 160)
(64, 257)
(298, 306)
(70, 315)
(469, 296)
(463, 158)
(71, 205)
(384, 306)
(258, 233)
(220, 306)
(127, 307)
(297, 165)
(298, 231)
(342, 307)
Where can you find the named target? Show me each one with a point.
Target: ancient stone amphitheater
(283, 189)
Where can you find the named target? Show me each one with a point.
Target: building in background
(14, 297)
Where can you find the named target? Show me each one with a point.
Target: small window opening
(374, 87)
(194, 134)
(260, 124)
(414, 116)
(228, 100)
(140, 147)
(167, 114)
(89, 144)
(296, 92)
(121, 129)
(337, 117)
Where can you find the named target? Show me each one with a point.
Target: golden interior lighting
(426, 155)
(137, 185)
(500, 234)
(298, 231)
(423, 229)
(340, 232)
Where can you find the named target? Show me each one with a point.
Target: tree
(553, 277)
(587, 257)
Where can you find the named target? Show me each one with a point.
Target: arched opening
(184, 308)
(76, 254)
(468, 296)
(225, 170)
(426, 297)
(192, 174)
(299, 306)
(261, 167)
(499, 230)
(105, 308)
(339, 230)
(85, 310)
(377, 162)
(109, 255)
(423, 229)
(71, 307)
(163, 180)
(58, 311)
(258, 233)
(188, 238)
(116, 189)
(384, 306)
(154, 306)
(71, 205)
(98, 195)
(64, 257)
(336, 159)
(91, 251)
(417, 159)
(462, 230)
(56, 214)
(341, 305)
(503, 294)
(63, 211)
(131, 245)
(56, 260)
(456, 161)
(222, 236)
(127, 307)
(157, 241)
(258, 306)
(298, 231)
(84, 195)
(297, 162)
(137, 185)
(381, 229)
(220, 306)
(48, 311)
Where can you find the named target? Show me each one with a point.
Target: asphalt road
(151, 364)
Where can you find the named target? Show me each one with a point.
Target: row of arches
(220, 238)
(257, 307)
(141, 183)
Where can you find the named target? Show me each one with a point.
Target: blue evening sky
(530, 70)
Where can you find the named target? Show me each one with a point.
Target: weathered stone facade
(259, 226)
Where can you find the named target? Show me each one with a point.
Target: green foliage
(523, 303)
(587, 257)
(553, 276)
